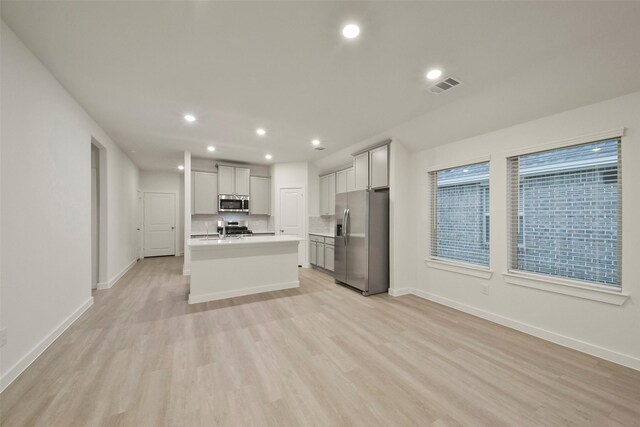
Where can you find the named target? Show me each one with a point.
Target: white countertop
(216, 235)
(234, 241)
(322, 234)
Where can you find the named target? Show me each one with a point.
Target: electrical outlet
(3, 337)
(485, 289)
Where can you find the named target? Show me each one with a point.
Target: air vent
(443, 85)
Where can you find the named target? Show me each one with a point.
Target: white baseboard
(22, 364)
(563, 340)
(397, 292)
(118, 276)
(213, 296)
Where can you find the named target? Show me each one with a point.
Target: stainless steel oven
(233, 203)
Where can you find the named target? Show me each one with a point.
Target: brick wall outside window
(570, 224)
(462, 214)
(568, 204)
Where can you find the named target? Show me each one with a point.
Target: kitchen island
(232, 267)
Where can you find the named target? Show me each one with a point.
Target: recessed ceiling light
(261, 131)
(268, 156)
(434, 74)
(211, 148)
(316, 142)
(351, 31)
(595, 150)
(181, 167)
(190, 118)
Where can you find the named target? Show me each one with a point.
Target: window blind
(460, 213)
(565, 212)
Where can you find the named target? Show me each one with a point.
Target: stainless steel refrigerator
(362, 240)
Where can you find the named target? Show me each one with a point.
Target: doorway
(99, 214)
(140, 224)
(292, 217)
(95, 216)
(159, 224)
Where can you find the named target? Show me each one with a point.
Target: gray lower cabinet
(329, 257)
(313, 253)
(321, 251)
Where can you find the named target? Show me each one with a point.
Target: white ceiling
(137, 67)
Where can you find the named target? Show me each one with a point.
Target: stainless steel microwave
(233, 203)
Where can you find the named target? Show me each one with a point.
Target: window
(565, 212)
(460, 214)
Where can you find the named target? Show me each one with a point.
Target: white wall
(291, 175)
(46, 207)
(186, 191)
(122, 186)
(171, 183)
(602, 329)
(401, 217)
(313, 182)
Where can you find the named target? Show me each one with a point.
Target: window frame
(552, 283)
(447, 264)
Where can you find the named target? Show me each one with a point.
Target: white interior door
(140, 225)
(292, 217)
(159, 224)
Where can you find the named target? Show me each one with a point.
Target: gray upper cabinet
(345, 180)
(332, 194)
(351, 179)
(260, 193)
(328, 194)
(242, 178)
(379, 167)
(205, 193)
(233, 180)
(324, 195)
(361, 169)
(341, 181)
(226, 179)
(371, 169)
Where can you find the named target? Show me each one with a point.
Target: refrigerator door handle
(344, 226)
(348, 226)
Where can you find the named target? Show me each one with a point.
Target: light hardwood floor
(317, 355)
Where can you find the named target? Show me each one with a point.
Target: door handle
(348, 225)
(172, 228)
(344, 226)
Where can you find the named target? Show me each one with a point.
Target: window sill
(569, 287)
(460, 267)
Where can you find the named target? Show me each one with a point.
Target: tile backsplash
(321, 224)
(257, 223)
